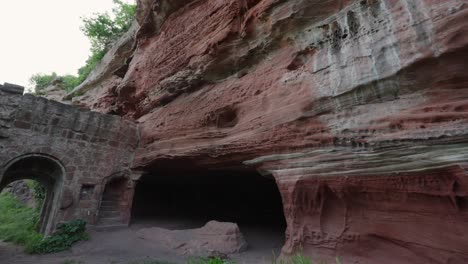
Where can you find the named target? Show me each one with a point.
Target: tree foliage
(102, 30)
(41, 81)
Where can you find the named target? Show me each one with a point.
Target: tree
(102, 30)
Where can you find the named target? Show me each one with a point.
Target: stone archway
(47, 171)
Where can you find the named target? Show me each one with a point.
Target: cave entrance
(48, 173)
(178, 199)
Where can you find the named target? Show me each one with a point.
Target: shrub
(66, 235)
(41, 81)
(91, 63)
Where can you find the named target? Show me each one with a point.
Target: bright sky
(43, 36)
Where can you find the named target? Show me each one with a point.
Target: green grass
(18, 225)
(296, 259)
(71, 262)
(299, 259)
(215, 260)
(151, 262)
(18, 222)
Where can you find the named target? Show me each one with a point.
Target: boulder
(215, 238)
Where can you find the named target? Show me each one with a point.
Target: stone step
(116, 219)
(109, 203)
(109, 213)
(110, 197)
(108, 227)
(109, 208)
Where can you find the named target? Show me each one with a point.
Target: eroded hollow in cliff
(185, 199)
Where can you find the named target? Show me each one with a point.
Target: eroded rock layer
(359, 109)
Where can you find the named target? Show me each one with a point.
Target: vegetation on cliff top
(102, 30)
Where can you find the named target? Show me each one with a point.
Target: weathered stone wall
(90, 146)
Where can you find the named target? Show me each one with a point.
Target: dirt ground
(123, 246)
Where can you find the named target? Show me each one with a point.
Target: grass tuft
(18, 222)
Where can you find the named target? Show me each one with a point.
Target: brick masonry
(91, 146)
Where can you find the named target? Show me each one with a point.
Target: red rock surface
(358, 108)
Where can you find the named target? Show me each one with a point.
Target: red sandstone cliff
(359, 109)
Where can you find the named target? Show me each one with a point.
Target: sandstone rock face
(359, 109)
(215, 238)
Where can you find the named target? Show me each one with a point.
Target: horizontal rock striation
(359, 109)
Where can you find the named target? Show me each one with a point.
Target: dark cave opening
(180, 200)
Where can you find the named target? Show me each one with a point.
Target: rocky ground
(133, 245)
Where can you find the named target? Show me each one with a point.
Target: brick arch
(45, 169)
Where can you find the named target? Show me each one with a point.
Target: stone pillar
(127, 201)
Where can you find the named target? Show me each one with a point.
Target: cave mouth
(179, 200)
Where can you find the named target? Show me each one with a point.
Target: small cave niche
(185, 199)
(353, 23)
(336, 35)
(227, 117)
(86, 192)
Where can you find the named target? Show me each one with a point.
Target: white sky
(43, 36)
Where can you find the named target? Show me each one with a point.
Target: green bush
(91, 63)
(41, 81)
(66, 235)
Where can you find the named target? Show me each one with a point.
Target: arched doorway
(45, 170)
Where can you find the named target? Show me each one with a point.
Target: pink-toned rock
(212, 239)
(359, 109)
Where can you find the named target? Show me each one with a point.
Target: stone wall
(89, 145)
